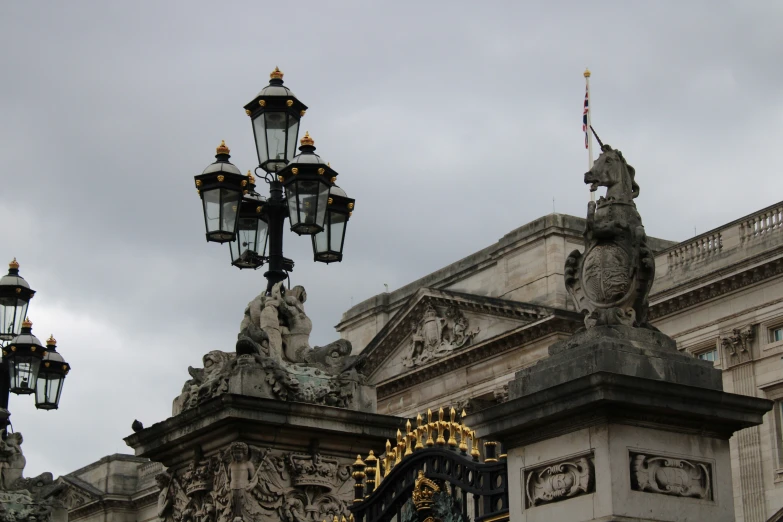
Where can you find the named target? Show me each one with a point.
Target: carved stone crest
(609, 281)
(561, 481)
(434, 336)
(671, 476)
(258, 485)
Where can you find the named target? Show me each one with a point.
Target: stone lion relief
(434, 336)
(251, 484)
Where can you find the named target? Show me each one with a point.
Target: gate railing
(429, 475)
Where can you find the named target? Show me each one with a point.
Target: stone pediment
(75, 493)
(435, 324)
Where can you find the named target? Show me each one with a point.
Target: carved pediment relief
(436, 324)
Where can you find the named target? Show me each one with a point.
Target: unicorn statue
(609, 281)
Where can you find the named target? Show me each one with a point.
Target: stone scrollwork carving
(609, 281)
(434, 336)
(737, 345)
(273, 351)
(256, 485)
(671, 476)
(561, 481)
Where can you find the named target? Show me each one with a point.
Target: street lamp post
(27, 366)
(301, 188)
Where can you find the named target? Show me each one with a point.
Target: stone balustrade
(721, 245)
(702, 247)
(762, 224)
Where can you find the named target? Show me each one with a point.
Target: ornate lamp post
(301, 188)
(27, 366)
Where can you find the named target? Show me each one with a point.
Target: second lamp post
(301, 187)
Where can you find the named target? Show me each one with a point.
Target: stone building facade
(458, 335)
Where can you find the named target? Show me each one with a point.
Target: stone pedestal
(261, 460)
(617, 425)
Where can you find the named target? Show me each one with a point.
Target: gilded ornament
(321, 171)
(221, 177)
(13, 348)
(329, 201)
(302, 113)
(244, 183)
(587, 72)
(32, 348)
(350, 206)
(258, 209)
(198, 182)
(280, 179)
(289, 102)
(18, 290)
(247, 111)
(222, 148)
(277, 74)
(47, 364)
(65, 367)
(262, 103)
(307, 140)
(13, 264)
(334, 178)
(295, 171)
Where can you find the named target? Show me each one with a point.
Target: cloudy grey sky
(451, 123)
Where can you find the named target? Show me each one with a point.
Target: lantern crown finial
(307, 140)
(587, 72)
(51, 341)
(27, 323)
(277, 74)
(222, 148)
(13, 265)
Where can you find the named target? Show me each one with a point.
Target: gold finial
(27, 323)
(371, 458)
(251, 178)
(277, 74)
(51, 341)
(222, 148)
(587, 72)
(408, 426)
(359, 461)
(13, 265)
(452, 414)
(418, 420)
(463, 415)
(306, 139)
(399, 436)
(336, 519)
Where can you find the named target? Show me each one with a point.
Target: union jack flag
(584, 117)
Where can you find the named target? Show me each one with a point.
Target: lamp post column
(5, 394)
(275, 210)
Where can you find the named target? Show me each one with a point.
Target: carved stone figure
(609, 281)
(434, 336)
(274, 359)
(737, 345)
(671, 476)
(12, 461)
(560, 481)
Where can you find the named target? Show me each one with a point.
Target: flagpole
(589, 122)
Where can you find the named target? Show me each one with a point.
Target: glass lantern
(23, 355)
(328, 244)
(307, 180)
(221, 186)
(249, 247)
(15, 295)
(275, 113)
(51, 377)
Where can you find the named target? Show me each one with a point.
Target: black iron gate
(430, 476)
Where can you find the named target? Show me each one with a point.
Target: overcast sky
(451, 123)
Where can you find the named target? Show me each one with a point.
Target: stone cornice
(392, 334)
(716, 287)
(563, 322)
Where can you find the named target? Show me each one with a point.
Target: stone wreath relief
(434, 336)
